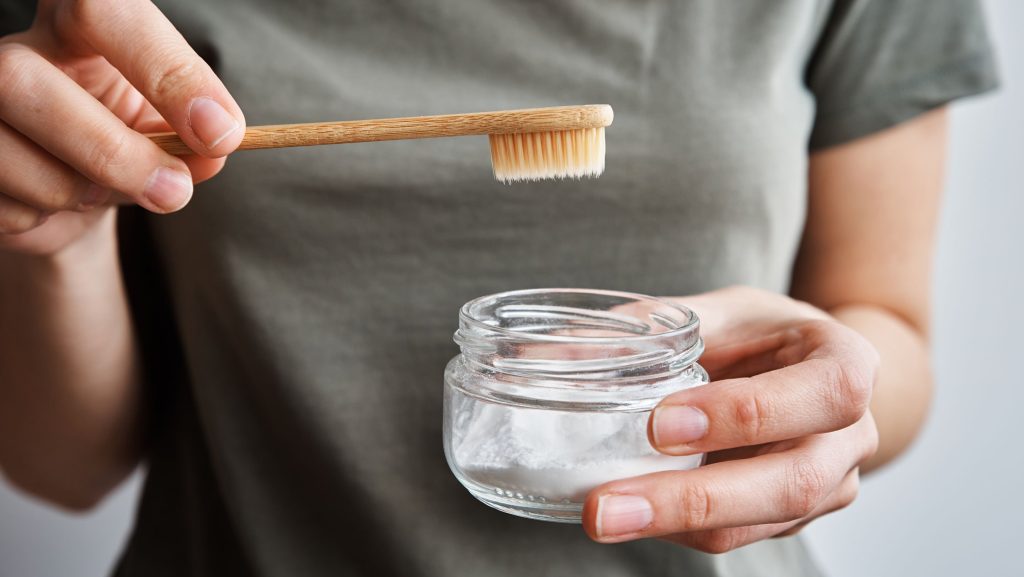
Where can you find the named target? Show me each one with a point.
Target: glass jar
(551, 394)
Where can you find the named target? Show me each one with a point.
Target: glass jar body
(539, 460)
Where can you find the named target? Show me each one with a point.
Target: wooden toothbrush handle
(501, 122)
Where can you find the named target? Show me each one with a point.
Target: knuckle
(850, 372)
(10, 61)
(794, 530)
(848, 390)
(819, 332)
(695, 506)
(751, 415)
(793, 349)
(171, 78)
(848, 493)
(806, 486)
(13, 61)
(79, 11)
(110, 154)
(862, 373)
(15, 221)
(870, 441)
(86, 12)
(59, 197)
(860, 346)
(718, 541)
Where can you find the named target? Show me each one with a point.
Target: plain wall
(949, 508)
(953, 505)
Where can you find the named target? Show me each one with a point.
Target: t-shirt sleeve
(881, 62)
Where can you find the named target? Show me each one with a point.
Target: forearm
(69, 395)
(903, 392)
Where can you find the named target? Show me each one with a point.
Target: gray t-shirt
(311, 294)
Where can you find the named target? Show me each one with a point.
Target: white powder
(555, 456)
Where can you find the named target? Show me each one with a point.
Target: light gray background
(950, 507)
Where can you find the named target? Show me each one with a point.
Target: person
(274, 350)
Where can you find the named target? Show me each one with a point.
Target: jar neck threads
(576, 337)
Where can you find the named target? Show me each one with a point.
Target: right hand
(77, 92)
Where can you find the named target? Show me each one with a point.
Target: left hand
(785, 423)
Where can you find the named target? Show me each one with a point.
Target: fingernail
(622, 514)
(168, 189)
(678, 425)
(210, 121)
(93, 196)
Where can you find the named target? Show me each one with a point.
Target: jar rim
(527, 347)
(691, 324)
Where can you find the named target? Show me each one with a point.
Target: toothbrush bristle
(535, 156)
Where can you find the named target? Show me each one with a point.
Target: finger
(37, 179)
(827, 389)
(772, 488)
(840, 499)
(138, 40)
(742, 313)
(73, 126)
(724, 540)
(17, 217)
(201, 168)
(753, 356)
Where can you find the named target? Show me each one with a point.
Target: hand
(785, 423)
(77, 91)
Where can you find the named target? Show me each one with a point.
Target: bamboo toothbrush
(528, 144)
